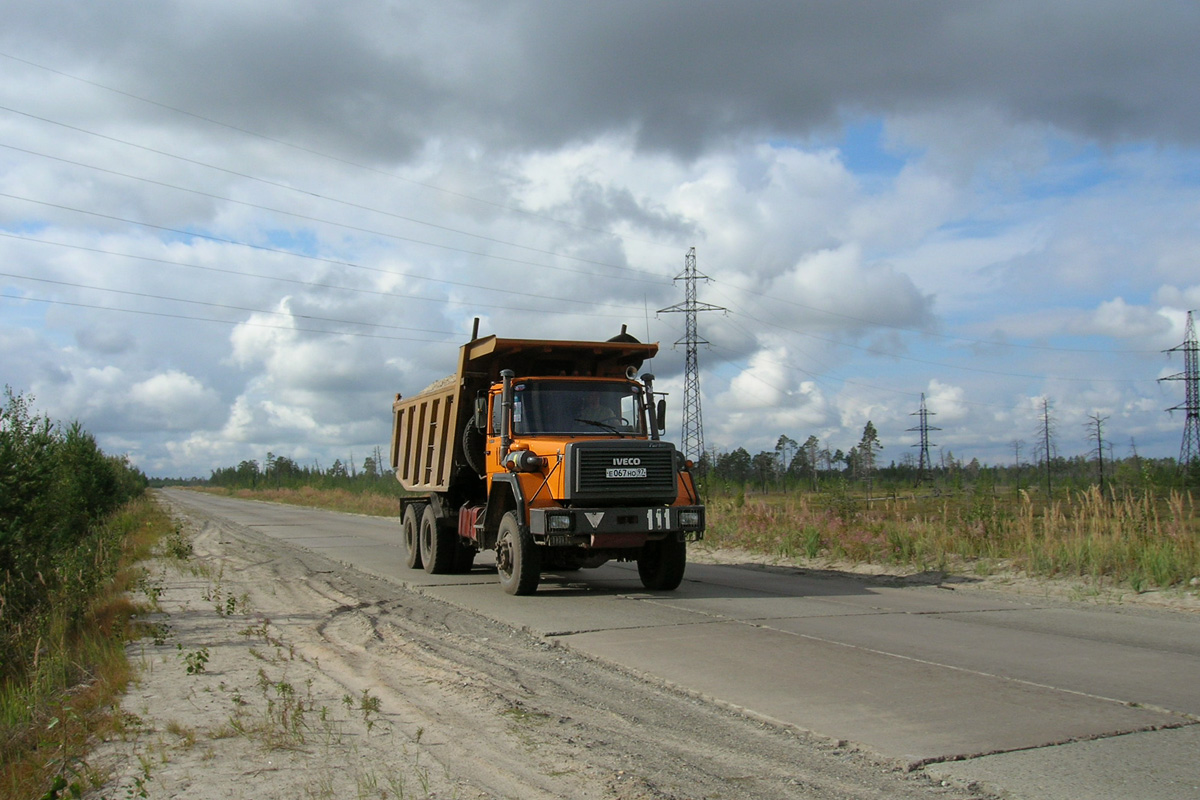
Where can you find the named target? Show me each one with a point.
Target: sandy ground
(276, 673)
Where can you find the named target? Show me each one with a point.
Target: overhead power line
(234, 323)
(306, 217)
(318, 285)
(261, 248)
(328, 156)
(759, 320)
(875, 323)
(289, 314)
(320, 196)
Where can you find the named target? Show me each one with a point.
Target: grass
(375, 504)
(1138, 539)
(65, 691)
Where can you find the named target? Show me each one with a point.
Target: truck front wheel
(517, 557)
(438, 544)
(661, 564)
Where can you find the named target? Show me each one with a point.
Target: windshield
(576, 408)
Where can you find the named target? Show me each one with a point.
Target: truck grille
(621, 471)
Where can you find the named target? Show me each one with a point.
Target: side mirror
(660, 415)
(480, 420)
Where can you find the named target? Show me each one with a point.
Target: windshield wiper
(604, 425)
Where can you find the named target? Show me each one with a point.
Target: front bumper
(572, 527)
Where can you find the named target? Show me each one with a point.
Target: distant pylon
(1189, 449)
(923, 426)
(691, 441)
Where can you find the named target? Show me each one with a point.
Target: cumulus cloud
(1177, 301)
(947, 401)
(866, 294)
(173, 401)
(1119, 319)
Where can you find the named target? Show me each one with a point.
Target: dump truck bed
(427, 428)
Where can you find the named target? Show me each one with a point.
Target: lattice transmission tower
(691, 441)
(923, 426)
(1189, 449)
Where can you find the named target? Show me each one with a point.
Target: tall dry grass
(1140, 540)
(351, 502)
(73, 662)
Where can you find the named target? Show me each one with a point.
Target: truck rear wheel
(661, 564)
(438, 544)
(517, 557)
(411, 528)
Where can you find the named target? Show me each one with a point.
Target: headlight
(524, 461)
(689, 519)
(558, 522)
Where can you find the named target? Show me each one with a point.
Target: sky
(232, 229)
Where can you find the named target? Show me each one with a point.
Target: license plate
(625, 472)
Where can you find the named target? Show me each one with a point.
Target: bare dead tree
(1017, 444)
(1046, 443)
(1095, 426)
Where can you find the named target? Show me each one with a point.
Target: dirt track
(311, 680)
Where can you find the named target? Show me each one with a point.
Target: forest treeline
(791, 466)
(813, 467)
(373, 474)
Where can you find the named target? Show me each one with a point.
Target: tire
(661, 564)
(517, 557)
(473, 443)
(438, 544)
(411, 528)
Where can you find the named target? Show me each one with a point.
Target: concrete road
(1034, 699)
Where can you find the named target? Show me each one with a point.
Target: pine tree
(868, 447)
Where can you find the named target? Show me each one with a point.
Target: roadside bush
(56, 489)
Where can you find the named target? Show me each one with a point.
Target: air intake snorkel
(656, 413)
(506, 407)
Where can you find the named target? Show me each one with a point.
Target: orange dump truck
(549, 453)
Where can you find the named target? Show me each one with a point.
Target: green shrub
(56, 490)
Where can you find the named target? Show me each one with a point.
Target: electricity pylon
(923, 426)
(691, 441)
(1189, 449)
